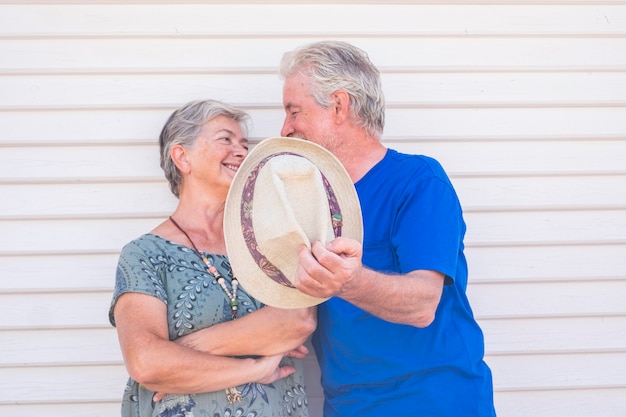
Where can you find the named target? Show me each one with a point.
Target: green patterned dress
(176, 275)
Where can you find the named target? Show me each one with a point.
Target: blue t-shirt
(370, 367)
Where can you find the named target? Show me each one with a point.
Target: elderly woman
(193, 341)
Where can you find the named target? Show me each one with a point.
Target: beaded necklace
(231, 393)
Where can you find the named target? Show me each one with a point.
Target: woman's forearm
(267, 331)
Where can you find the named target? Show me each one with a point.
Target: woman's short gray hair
(185, 125)
(334, 65)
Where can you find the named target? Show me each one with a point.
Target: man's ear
(341, 105)
(178, 153)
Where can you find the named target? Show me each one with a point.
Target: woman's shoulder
(150, 245)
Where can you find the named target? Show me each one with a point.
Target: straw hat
(286, 193)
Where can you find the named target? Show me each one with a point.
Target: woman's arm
(267, 331)
(161, 365)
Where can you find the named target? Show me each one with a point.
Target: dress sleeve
(139, 271)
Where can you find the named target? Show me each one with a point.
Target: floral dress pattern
(175, 274)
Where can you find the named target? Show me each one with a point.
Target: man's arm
(335, 269)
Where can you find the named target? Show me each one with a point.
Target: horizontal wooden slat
(96, 384)
(561, 263)
(83, 126)
(563, 371)
(59, 347)
(98, 234)
(62, 409)
(82, 236)
(571, 403)
(224, 20)
(58, 273)
(511, 336)
(108, 162)
(548, 299)
(501, 123)
(607, 402)
(543, 157)
(459, 158)
(486, 264)
(569, 227)
(106, 234)
(542, 192)
(487, 195)
(103, 383)
(121, 126)
(140, 89)
(417, 88)
(484, 227)
(254, 52)
(507, 88)
(490, 301)
(146, 199)
(82, 163)
(554, 335)
(37, 310)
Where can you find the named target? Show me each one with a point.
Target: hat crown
(289, 209)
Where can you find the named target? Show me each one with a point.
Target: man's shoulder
(424, 164)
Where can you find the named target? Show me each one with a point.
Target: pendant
(233, 395)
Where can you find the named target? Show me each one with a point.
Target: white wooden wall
(524, 102)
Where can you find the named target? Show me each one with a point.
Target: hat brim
(247, 271)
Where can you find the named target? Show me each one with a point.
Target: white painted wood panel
(523, 102)
(461, 158)
(491, 300)
(521, 157)
(421, 89)
(546, 227)
(91, 271)
(63, 408)
(222, 19)
(98, 199)
(573, 192)
(554, 335)
(60, 347)
(552, 263)
(71, 236)
(64, 163)
(253, 53)
(582, 402)
(548, 299)
(122, 126)
(506, 228)
(82, 126)
(57, 384)
(502, 123)
(570, 371)
(56, 310)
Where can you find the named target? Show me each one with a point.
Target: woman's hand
(267, 367)
(298, 353)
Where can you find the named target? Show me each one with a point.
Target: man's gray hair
(334, 65)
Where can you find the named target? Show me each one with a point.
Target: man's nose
(287, 130)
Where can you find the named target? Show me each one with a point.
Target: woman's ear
(341, 103)
(178, 153)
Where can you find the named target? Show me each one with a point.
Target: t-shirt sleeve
(138, 271)
(429, 230)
